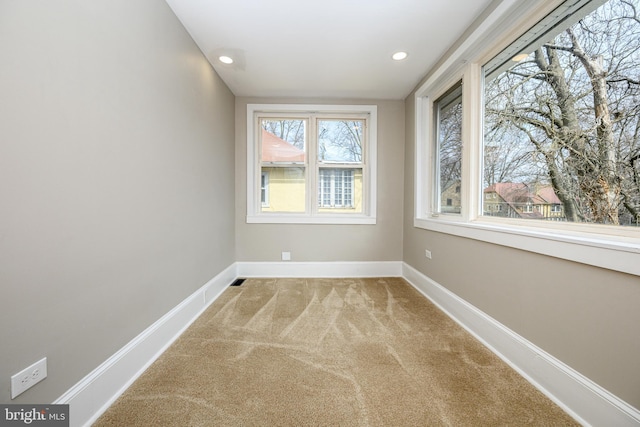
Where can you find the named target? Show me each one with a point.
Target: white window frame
(436, 207)
(312, 214)
(610, 247)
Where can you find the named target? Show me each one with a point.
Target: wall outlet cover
(28, 377)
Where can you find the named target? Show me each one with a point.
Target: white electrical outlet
(427, 253)
(28, 377)
(286, 256)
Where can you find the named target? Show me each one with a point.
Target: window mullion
(435, 188)
(472, 136)
(313, 171)
(257, 162)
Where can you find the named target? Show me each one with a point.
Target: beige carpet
(326, 352)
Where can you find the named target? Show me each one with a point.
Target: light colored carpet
(327, 352)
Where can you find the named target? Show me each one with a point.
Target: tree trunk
(606, 188)
(569, 135)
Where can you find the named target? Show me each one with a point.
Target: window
(560, 113)
(317, 164)
(448, 149)
(546, 123)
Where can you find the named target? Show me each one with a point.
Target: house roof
(516, 194)
(276, 149)
(547, 194)
(510, 192)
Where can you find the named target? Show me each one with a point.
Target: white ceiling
(325, 48)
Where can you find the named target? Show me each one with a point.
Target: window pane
(340, 141)
(340, 190)
(283, 143)
(285, 189)
(448, 110)
(562, 138)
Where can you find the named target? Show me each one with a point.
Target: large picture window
(319, 167)
(561, 118)
(539, 146)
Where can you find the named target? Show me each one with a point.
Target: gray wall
(116, 180)
(585, 316)
(379, 242)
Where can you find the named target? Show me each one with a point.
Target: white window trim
(614, 248)
(368, 216)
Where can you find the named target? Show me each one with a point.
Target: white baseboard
(92, 395)
(320, 269)
(586, 401)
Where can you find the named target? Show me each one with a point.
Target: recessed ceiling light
(225, 59)
(399, 56)
(520, 57)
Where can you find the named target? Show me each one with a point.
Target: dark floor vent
(238, 282)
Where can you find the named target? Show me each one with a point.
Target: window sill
(306, 219)
(616, 253)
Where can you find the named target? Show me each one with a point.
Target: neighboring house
(518, 200)
(282, 181)
(340, 190)
(450, 200)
